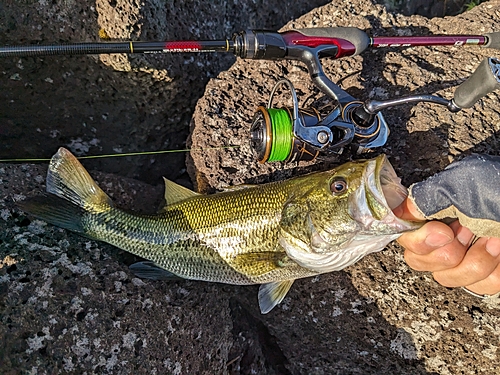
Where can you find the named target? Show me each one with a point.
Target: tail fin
(74, 193)
(55, 210)
(68, 179)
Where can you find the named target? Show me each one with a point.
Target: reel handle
(493, 40)
(484, 80)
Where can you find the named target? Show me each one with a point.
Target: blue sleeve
(472, 185)
(468, 189)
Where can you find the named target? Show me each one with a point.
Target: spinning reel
(293, 133)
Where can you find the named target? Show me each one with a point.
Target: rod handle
(484, 80)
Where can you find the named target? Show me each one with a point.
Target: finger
(429, 237)
(441, 259)
(425, 253)
(462, 234)
(477, 265)
(487, 286)
(491, 284)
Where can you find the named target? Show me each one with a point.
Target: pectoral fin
(150, 270)
(256, 264)
(271, 294)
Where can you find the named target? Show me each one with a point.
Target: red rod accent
(183, 46)
(431, 40)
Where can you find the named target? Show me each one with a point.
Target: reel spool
(272, 135)
(272, 130)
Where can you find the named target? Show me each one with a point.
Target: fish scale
(200, 237)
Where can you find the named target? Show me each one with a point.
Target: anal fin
(271, 294)
(150, 270)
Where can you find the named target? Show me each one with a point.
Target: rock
(439, 8)
(426, 328)
(223, 115)
(108, 104)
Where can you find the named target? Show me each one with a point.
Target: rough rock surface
(424, 138)
(438, 8)
(120, 103)
(70, 305)
(426, 325)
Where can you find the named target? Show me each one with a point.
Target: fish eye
(338, 186)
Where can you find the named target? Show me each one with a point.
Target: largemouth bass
(268, 234)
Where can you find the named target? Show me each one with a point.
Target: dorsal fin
(175, 193)
(238, 187)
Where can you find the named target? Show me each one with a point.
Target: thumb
(408, 211)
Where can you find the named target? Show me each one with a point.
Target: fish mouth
(389, 183)
(383, 188)
(379, 193)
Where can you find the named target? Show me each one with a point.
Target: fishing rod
(259, 44)
(294, 133)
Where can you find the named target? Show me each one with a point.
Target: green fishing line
(282, 134)
(119, 155)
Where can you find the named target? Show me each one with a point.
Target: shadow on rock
(324, 326)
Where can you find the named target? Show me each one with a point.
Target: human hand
(450, 253)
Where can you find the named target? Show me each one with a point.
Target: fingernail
(437, 239)
(465, 236)
(493, 247)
